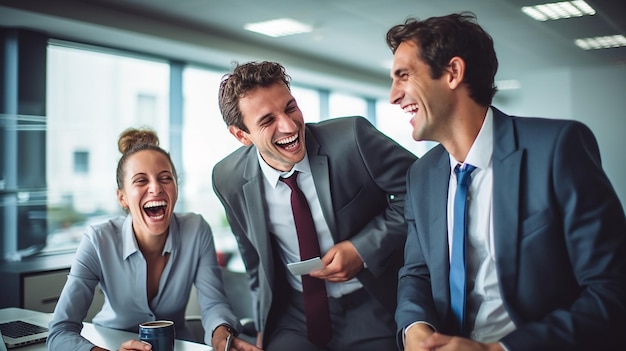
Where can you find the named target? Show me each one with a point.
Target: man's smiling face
(275, 125)
(426, 100)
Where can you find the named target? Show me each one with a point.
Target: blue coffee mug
(159, 334)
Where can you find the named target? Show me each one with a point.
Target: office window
(81, 162)
(206, 140)
(391, 120)
(147, 107)
(341, 105)
(308, 101)
(92, 96)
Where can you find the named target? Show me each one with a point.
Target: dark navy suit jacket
(559, 232)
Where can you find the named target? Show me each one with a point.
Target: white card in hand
(305, 267)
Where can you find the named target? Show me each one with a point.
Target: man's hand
(241, 345)
(341, 263)
(416, 335)
(448, 343)
(219, 341)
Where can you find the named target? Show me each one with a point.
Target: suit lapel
(321, 178)
(258, 232)
(439, 178)
(507, 161)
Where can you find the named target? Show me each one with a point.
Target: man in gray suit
(545, 234)
(353, 178)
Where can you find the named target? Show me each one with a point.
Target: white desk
(101, 336)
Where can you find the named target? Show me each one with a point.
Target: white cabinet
(42, 292)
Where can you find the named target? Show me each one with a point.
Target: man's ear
(240, 135)
(456, 72)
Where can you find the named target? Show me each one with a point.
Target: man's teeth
(154, 204)
(410, 108)
(287, 140)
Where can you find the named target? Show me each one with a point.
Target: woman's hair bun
(133, 137)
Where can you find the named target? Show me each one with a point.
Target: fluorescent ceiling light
(278, 27)
(558, 10)
(609, 41)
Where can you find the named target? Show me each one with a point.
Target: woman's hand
(135, 345)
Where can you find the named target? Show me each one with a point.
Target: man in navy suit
(545, 242)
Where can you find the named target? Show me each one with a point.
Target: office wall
(594, 95)
(599, 100)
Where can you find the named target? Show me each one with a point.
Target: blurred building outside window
(81, 162)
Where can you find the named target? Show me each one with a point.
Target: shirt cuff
(230, 329)
(360, 256)
(411, 325)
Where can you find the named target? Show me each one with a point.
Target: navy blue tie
(457, 262)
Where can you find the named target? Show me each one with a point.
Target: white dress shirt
(485, 313)
(281, 223)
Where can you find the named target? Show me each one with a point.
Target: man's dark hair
(241, 81)
(439, 39)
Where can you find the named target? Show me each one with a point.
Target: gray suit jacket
(359, 175)
(559, 232)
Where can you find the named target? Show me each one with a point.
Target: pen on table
(229, 340)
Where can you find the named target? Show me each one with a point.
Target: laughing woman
(146, 261)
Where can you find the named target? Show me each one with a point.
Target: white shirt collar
(130, 245)
(272, 175)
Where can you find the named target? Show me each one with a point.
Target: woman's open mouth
(155, 209)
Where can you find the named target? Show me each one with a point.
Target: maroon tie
(313, 289)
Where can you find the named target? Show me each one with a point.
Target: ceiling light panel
(279, 27)
(559, 10)
(606, 42)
